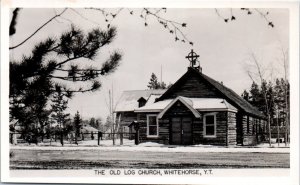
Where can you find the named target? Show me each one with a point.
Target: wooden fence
(16, 137)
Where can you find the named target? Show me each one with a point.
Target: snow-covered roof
(88, 128)
(200, 104)
(129, 99)
(211, 103)
(154, 107)
(152, 99)
(186, 101)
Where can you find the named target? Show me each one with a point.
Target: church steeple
(193, 58)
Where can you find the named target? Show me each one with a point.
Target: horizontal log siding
(193, 87)
(260, 130)
(225, 134)
(249, 135)
(197, 130)
(231, 128)
(163, 130)
(221, 131)
(127, 117)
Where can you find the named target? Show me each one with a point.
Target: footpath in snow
(128, 145)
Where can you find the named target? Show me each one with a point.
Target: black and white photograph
(135, 91)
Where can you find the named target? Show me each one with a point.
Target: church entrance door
(181, 130)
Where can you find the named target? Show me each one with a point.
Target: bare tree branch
(83, 17)
(258, 68)
(173, 27)
(264, 91)
(286, 99)
(264, 15)
(50, 20)
(250, 75)
(248, 11)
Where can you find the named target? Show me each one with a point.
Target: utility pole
(112, 114)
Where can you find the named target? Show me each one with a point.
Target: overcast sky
(224, 48)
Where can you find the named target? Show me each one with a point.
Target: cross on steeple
(192, 57)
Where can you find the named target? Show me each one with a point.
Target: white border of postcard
(222, 176)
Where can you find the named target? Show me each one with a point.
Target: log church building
(195, 110)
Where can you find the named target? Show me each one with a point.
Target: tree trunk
(277, 128)
(286, 118)
(137, 135)
(268, 114)
(99, 136)
(61, 138)
(269, 125)
(76, 139)
(42, 135)
(113, 134)
(121, 136)
(286, 129)
(11, 138)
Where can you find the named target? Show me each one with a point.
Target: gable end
(191, 86)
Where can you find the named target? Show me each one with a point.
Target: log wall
(191, 86)
(250, 130)
(231, 129)
(163, 130)
(225, 134)
(127, 117)
(221, 132)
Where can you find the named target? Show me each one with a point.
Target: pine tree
(281, 101)
(246, 95)
(154, 84)
(162, 85)
(59, 105)
(29, 109)
(33, 80)
(271, 100)
(279, 98)
(77, 124)
(92, 122)
(256, 96)
(97, 124)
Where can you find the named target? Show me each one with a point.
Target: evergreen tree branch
(96, 85)
(68, 60)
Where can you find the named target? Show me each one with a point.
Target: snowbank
(128, 145)
(149, 144)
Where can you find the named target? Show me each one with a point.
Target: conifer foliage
(52, 63)
(154, 84)
(276, 104)
(59, 105)
(77, 125)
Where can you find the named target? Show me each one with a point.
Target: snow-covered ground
(128, 145)
(86, 143)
